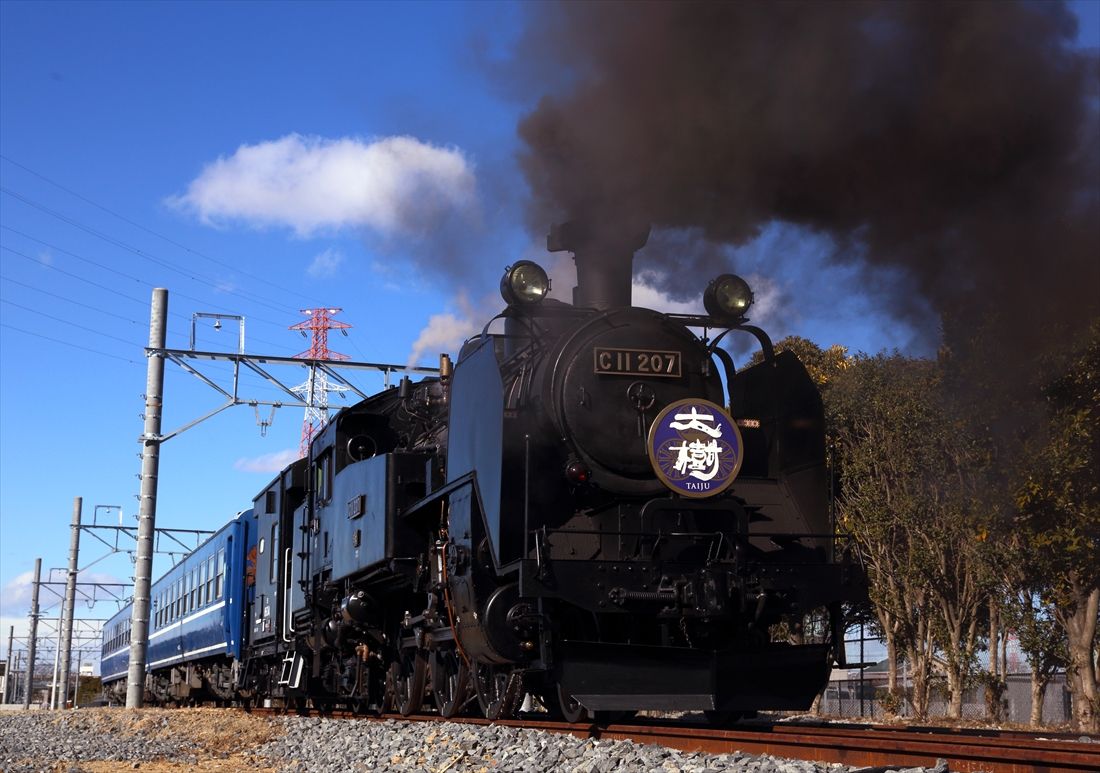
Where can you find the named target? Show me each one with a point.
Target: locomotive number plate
(636, 362)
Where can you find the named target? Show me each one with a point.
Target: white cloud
(648, 297)
(392, 185)
(22, 629)
(16, 598)
(324, 264)
(767, 305)
(447, 332)
(273, 462)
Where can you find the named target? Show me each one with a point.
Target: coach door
(265, 565)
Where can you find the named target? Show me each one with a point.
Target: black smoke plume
(955, 141)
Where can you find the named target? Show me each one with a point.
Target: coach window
(221, 574)
(210, 579)
(179, 598)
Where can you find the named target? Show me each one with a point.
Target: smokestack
(604, 258)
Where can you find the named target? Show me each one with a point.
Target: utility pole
(147, 511)
(28, 688)
(70, 599)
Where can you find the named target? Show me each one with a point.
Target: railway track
(873, 747)
(870, 747)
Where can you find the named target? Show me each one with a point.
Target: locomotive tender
(592, 507)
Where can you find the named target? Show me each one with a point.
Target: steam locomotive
(592, 508)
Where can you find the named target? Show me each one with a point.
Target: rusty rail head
(869, 746)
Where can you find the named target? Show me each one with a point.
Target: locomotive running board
(616, 677)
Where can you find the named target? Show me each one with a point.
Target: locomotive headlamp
(728, 296)
(525, 283)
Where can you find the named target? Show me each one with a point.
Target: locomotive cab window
(322, 478)
(269, 501)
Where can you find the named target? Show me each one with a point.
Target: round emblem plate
(695, 448)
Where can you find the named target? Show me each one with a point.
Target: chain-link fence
(861, 695)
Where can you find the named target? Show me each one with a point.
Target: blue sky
(220, 150)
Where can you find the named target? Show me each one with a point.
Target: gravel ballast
(206, 739)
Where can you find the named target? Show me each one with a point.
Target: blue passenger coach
(195, 626)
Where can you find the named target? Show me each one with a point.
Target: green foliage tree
(911, 496)
(1058, 524)
(1041, 638)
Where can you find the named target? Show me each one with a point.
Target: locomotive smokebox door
(617, 371)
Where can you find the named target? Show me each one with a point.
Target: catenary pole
(56, 667)
(70, 600)
(147, 510)
(11, 666)
(76, 687)
(28, 688)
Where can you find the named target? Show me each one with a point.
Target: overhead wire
(144, 254)
(134, 223)
(223, 369)
(193, 276)
(106, 268)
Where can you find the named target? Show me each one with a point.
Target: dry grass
(226, 737)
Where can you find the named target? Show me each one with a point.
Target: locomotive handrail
(698, 320)
(288, 626)
(440, 493)
(786, 534)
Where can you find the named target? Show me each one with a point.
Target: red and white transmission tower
(315, 391)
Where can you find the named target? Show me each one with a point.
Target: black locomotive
(515, 526)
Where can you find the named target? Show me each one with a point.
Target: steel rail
(875, 748)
